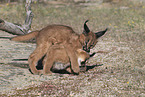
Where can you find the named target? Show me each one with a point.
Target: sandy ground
(16, 80)
(15, 74)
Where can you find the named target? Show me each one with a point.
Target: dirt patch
(16, 80)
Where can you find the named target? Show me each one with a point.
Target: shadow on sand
(40, 66)
(5, 37)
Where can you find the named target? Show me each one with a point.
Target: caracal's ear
(86, 29)
(101, 33)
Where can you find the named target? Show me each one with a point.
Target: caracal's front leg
(73, 59)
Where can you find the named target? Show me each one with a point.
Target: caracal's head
(89, 39)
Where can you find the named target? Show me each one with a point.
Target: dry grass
(123, 72)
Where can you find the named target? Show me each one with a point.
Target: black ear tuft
(86, 29)
(86, 21)
(100, 33)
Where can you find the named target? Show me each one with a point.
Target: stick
(19, 29)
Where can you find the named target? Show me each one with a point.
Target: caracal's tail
(26, 37)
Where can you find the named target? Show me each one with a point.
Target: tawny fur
(26, 37)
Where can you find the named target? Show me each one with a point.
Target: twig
(19, 29)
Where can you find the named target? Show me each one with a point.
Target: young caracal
(59, 42)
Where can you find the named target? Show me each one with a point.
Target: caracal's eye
(92, 45)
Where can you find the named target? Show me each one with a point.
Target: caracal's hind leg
(37, 54)
(48, 63)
